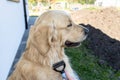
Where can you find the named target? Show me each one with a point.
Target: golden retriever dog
(51, 33)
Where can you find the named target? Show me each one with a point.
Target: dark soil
(106, 48)
(104, 35)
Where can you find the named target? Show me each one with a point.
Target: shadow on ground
(104, 47)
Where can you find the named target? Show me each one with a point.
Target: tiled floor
(23, 43)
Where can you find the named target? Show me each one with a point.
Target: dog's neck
(48, 56)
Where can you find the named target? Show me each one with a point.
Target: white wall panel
(12, 27)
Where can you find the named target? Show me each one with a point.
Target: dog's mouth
(72, 44)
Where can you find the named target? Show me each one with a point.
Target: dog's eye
(69, 25)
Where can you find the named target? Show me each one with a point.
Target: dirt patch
(104, 36)
(107, 20)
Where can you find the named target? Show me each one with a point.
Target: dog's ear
(52, 34)
(38, 38)
(43, 37)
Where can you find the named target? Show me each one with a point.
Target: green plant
(86, 1)
(92, 8)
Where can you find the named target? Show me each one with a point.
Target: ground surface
(104, 36)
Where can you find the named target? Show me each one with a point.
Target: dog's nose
(86, 31)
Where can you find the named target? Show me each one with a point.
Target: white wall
(108, 3)
(11, 31)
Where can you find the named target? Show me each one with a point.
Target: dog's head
(57, 28)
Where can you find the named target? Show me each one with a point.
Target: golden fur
(45, 46)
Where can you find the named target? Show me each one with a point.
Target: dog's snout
(86, 31)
